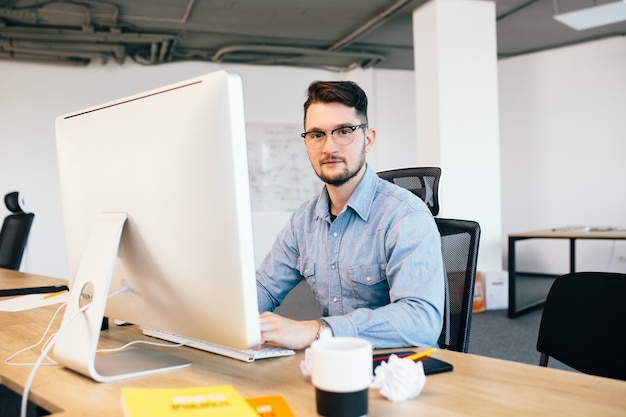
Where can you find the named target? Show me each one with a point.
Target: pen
(420, 355)
(54, 294)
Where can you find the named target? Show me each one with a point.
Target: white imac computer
(157, 220)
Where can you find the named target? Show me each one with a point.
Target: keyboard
(246, 355)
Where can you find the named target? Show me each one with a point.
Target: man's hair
(344, 92)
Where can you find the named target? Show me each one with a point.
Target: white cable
(52, 362)
(48, 346)
(44, 353)
(117, 349)
(119, 291)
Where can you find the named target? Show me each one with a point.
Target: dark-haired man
(369, 250)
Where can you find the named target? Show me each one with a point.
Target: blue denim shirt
(376, 270)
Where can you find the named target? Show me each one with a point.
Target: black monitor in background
(156, 209)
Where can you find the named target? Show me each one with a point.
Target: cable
(51, 342)
(119, 291)
(44, 353)
(146, 342)
(52, 362)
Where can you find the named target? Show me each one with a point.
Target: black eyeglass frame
(332, 132)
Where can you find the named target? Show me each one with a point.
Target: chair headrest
(15, 204)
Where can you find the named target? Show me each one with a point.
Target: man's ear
(370, 138)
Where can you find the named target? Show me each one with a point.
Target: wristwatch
(324, 330)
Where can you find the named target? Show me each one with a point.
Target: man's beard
(346, 175)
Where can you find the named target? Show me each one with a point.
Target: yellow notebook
(211, 401)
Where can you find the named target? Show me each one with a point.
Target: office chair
(421, 181)
(584, 322)
(459, 249)
(14, 232)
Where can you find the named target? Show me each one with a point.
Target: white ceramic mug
(341, 372)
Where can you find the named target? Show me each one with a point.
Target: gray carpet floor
(494, 335)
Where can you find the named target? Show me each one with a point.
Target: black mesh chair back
(583, 323)
(421, 181)
(14, 233)
(459, 248)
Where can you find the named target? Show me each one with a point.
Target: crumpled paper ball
(399, 379)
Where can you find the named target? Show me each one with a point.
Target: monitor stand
(77, 340)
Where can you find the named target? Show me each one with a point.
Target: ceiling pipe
(54, 34)
(66, 47)
(277, 49)
(47, 53)
(182, 20)
(369, 26)
(45, 59)
(515, 10)
(367, 60)
(82, 13)
(162, 49)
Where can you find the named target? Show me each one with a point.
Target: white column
(457, 113)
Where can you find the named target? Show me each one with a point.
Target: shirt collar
(360, 201)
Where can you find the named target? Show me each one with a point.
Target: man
(369, 250)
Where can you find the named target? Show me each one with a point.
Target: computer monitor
(156, 200)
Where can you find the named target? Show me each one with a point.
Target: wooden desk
(572, 234)
(478, 386)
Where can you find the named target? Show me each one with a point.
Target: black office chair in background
(583, 323)
(421, 181)
(459, 249)
(14, 232)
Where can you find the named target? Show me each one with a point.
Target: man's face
(337, 164)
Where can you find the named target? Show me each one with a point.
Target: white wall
(33, 95)
(563, 144)
(562, 138)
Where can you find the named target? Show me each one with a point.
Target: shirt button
(332, 267)
(335, 234)
(368, 279)
(335, 300)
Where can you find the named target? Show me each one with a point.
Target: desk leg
(572, 255)
(512, 279)
(513, 310)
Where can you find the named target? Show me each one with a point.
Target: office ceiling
(333, 34)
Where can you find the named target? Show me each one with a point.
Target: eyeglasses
(343, 135)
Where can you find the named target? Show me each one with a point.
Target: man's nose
(329, 143)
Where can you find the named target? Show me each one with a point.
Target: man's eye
(315, 135)
(344, 131)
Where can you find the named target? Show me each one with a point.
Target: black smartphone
(431, 365)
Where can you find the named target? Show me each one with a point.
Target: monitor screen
(156, 200)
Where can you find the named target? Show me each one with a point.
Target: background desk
(572, 234)
(478, 386)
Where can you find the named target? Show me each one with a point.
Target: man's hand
(286, 332)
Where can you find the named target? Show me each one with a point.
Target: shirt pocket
(370, 288)
(306, 267)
